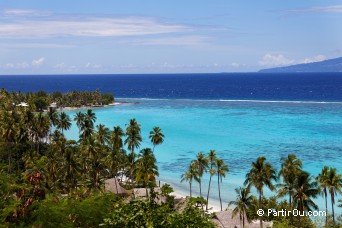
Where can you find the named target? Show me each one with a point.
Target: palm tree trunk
(190, 190)
(208, 193)
(132, 168)
(200, 185)
(290, 201)
(243, 218)
(326, 207)
(332, 207)
(260, 206)
(218, 182)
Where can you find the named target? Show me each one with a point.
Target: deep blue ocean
(255, 86)
(241, 116)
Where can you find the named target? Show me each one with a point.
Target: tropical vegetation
(48, 180)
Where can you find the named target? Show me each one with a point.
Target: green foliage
(41, 100)
(140, 213)
(107, 98)
(166, 190)
(71, 211)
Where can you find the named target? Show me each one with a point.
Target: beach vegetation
(41, 100)
(261, 174)
(48, 180)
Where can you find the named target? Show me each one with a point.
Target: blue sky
(150, 36)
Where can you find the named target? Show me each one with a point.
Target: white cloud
(38, 62)
(176, 41)
(327, 9)
(235, 64)
(22, 65)
(35, 45)
(24, 12)
(320, 9)
(9, 66)
(87, 27)
(93, 66)
(270, 60)
(19, 65)
(317, 58)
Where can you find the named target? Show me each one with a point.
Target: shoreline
(94, 107)
(180, 194)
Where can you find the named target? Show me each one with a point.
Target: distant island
(330, 65)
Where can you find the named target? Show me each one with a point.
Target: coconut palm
(71, 166)
(146, 168)
(79, 118)
(221, 170)
(244, 200)
(201, 164)
(190, 175)
(102, 134)
(116, 138)
(8, 130)
(261, 174)
(92, 162)
(63, 122)
(156, 136)
(322, 181)
(133, 141)
(304, 190)
(290, 168)
(212, 161)
(41, 128)
(53, 116)
(90, 117)
(87, 124)
(334, 185)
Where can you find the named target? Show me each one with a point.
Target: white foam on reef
(232, 100)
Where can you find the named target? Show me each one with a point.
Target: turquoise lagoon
(239, 131)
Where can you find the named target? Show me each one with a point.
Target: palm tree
(103, 134)
(243, 202)
(202, 164)
(156, 136)
(334, 184)
(261, 174)
(71, 166)
(212, 161)
(41, 128)
(53, 116)
(146, 168)
(133, 141)
(79, 118)
(322, 180)
(221, 170)
(116, 157)
(116, 138)
(87, 124)
(190, 175)
(63, 121)
(8, 130)
(90, 117)
(304, 190)
(290, 168)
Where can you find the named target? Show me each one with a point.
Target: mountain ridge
(329, 65)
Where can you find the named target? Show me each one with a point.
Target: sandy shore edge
(95, 107)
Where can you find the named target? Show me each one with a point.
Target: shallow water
(239, 131)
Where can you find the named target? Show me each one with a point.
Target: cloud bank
(44, 27)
